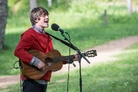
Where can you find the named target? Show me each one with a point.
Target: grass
(111, 76)
(117, 76)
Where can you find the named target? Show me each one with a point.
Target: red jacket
(32, 40)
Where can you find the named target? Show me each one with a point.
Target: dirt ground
(104, 53)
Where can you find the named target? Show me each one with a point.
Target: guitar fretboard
(63, 58)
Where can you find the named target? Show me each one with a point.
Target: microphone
(55, 27)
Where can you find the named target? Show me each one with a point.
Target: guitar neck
(63, 58)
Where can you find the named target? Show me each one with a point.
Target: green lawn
(111, 76)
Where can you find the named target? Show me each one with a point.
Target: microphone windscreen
(54, 27)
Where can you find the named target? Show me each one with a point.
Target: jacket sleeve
(23, 47)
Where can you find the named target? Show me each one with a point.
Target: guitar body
(35, 73)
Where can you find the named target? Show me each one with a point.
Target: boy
(35, 38)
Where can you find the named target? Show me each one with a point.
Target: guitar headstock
(91, 53)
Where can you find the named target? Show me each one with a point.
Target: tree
(3, 20)
(50, 2)
(33, 3)
(129, 2)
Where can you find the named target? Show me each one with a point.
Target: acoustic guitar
(53, 61)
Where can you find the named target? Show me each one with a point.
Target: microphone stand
(80, 56)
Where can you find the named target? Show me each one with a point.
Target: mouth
(46, 21)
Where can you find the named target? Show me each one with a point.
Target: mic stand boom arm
(67, 44)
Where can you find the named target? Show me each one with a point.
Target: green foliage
(11, 4)
(63, 5)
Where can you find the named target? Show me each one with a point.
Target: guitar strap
(66, 43)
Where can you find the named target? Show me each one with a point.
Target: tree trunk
(3, 20)
(58, 1)
(33, 4)
(49, 3)
(129, 2)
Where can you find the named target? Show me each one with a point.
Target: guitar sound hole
(48, 61)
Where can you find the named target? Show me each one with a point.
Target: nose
(46, 16)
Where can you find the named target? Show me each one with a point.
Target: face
(42, 22)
